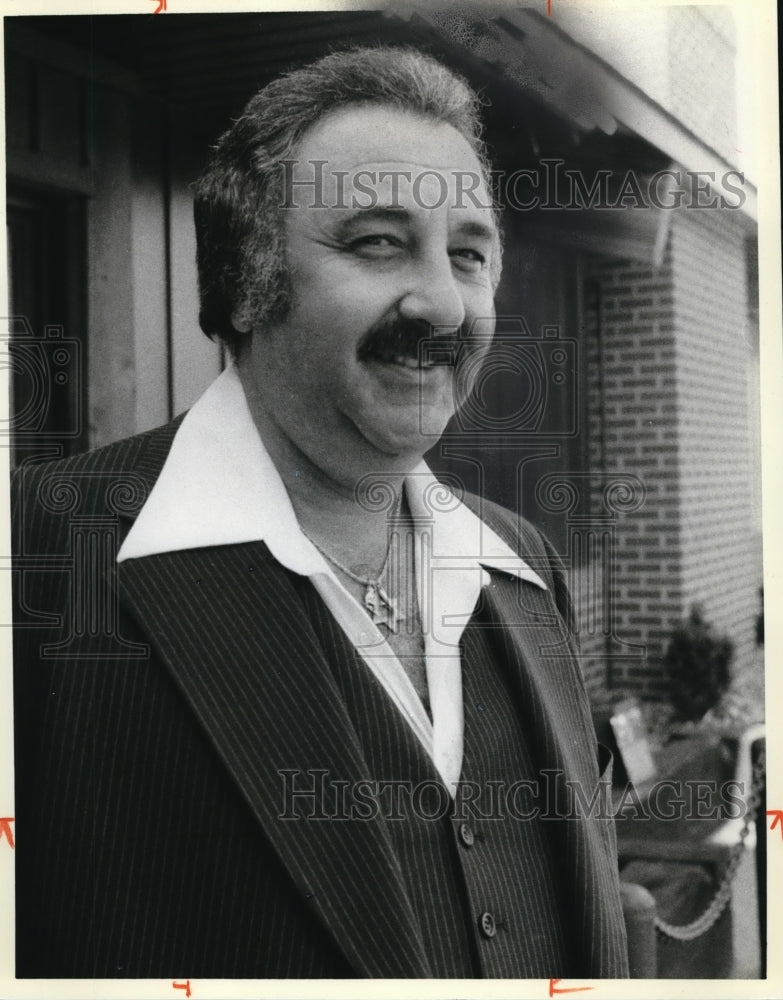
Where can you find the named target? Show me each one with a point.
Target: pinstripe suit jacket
(156, 703)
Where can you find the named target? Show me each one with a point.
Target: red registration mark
(776, 813)
(554, 991)
(6, 831)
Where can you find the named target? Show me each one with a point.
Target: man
(308, 733)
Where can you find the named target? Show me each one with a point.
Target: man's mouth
(408, 344)
(417, 363)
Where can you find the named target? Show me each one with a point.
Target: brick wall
(669, 382)
(715, 367)
(633, 430)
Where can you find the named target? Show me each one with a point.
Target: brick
(674, 378)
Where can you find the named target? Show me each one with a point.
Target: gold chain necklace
(382, 608)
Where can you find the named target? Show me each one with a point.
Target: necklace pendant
(388, 609)
(371, 600)
(381, 607)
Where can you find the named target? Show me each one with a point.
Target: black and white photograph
(393, 467)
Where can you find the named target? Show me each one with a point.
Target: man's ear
(240, 318)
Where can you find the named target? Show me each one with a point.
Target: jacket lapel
(229, 626)
(547, 680)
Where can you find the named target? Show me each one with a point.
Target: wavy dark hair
(238, 198)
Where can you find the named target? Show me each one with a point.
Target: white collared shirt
(219, 486)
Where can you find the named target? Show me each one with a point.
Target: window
(46, 343)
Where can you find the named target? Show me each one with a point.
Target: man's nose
(433, 294)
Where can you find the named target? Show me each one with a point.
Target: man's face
(398, 241)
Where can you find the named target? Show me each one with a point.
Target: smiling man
(335, 727)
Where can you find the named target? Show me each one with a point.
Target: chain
(382, 609)
(718, 903)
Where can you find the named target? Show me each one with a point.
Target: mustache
(397, 336)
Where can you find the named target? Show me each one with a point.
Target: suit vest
(481, 875)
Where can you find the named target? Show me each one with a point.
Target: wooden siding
(103, 140)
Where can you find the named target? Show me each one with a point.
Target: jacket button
(466, 835)
(487, 925)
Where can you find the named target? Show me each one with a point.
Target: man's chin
(404, 440)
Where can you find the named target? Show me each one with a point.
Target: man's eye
(375, 243)
(471, 259)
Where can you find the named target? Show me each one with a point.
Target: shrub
(697, 666)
